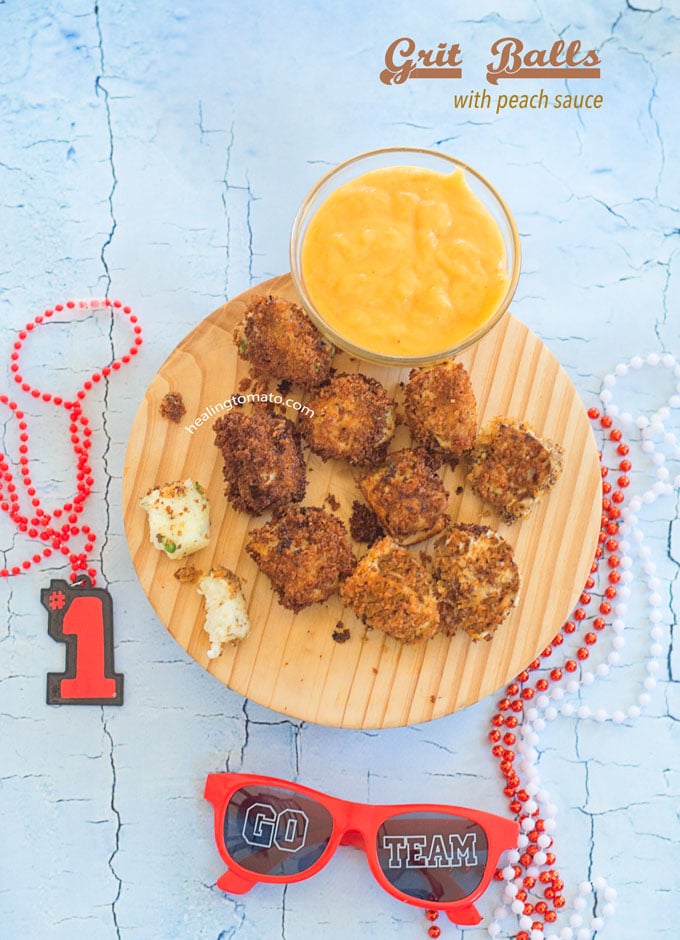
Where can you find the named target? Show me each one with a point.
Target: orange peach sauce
(404, 261)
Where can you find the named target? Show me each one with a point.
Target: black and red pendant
(81, 616)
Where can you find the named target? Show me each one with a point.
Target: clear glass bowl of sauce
(404, 256)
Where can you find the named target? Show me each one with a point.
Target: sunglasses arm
(233, 883)
(465, 916)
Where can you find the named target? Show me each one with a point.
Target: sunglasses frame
(356, 824)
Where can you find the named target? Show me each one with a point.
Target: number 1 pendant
(81, 616)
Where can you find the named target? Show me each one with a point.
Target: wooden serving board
(290, 662)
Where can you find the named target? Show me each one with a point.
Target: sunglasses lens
(276, 832)
(432, 856)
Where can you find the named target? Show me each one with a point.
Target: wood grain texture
(290, 662)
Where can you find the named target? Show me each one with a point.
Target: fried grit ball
(226, 616)
(179, 517)
(476, 580)
(304, 551)
(407, 496)
(353, 419)
(441, 409)
(280, 341)
(263, 464)
(391, 591)
(511, 467)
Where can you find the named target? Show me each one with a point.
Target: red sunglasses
(438, 857)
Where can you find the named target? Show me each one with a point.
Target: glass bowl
(411, 157)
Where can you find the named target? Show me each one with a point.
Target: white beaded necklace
(660, 445)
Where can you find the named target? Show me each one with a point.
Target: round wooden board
(291, 663)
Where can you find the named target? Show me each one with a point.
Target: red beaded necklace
(37, 523)
(541, 895)
(86, 625)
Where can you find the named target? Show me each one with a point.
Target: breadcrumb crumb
(172, 407)
(187, 574)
